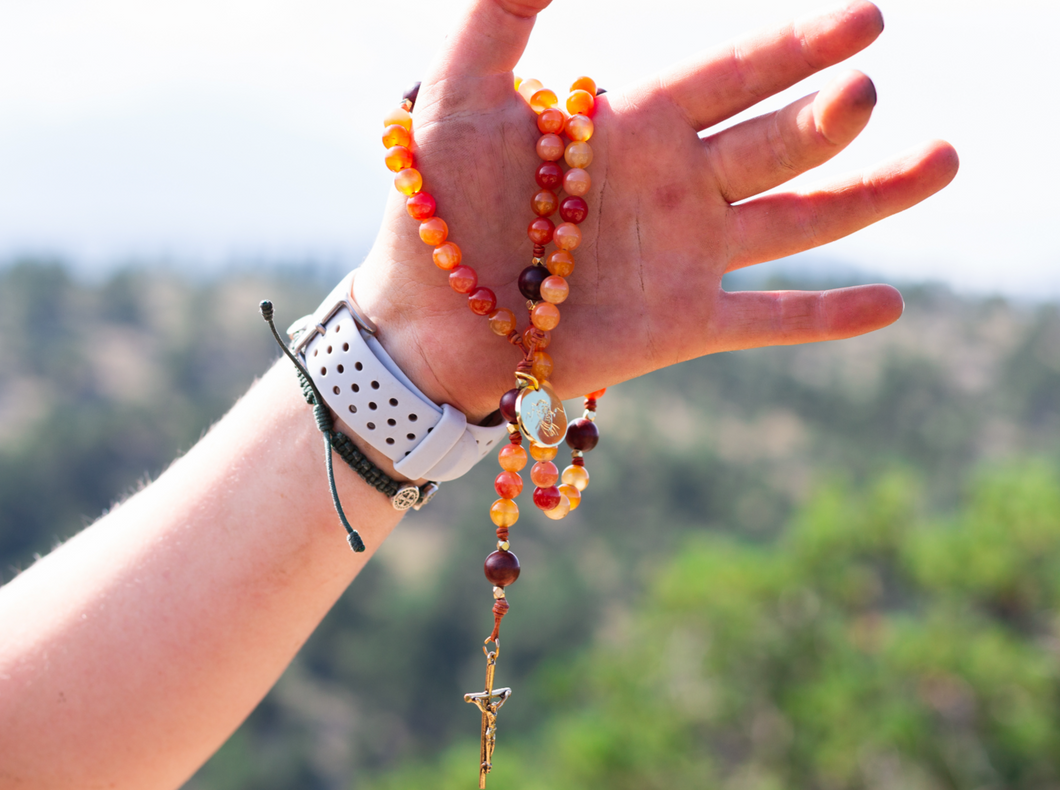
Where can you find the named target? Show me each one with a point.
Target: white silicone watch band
(363, 385)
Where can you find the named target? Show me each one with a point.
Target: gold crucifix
(489, 702)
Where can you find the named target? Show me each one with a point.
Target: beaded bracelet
(531, 408)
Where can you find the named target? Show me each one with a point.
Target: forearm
(169, 619)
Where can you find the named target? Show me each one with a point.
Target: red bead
(463, 279)
(508, 484)
(573, 209)
(597, 394)
(582, 434)
(549, 175)
(540, 230)
(547, 498)
(507, 405)
(502, 567)
(421, 206)
(482, 301)
(530, 280)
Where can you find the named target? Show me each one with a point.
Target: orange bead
(597, 394)
(543, 366)
(447, 256)
(560, 511)
(560, 263)
(396, 135)
(580, 101)
(504, 512)
(508, 485)
(576, 181)
(527, 88)
(577, 476)
(578, 155)
(567, 236)
(398, 158)
(502, 321)
(584, 84)
(545, 316)
(551, 121)
(544, 203)
(550, 147)
(408, 181)
(555, 289)
(463, 279)
(543, 339)
(574, 496)
(401, 117)
(580, 128)
(541, 453)
(512, 458)
(518, 81)
(543, 100)
(433, 231)
(544, 474)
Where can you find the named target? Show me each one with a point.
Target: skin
(133, 651)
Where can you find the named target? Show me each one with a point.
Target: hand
(662, 226)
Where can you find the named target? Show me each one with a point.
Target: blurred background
(828, 566)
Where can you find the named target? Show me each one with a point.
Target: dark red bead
(549, 175)
(547, 498)
(530, 280)
(573, 209)
(582, 434)
(540, 230)
(502, 568)
(482, 301)
(508, 405)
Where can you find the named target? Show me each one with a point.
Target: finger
(724, 81)
(489, 39)
(751, 319)
(780, 224)
(766, 151)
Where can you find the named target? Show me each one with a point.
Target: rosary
(531, 408)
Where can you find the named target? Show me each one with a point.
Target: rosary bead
(541, 453)
(574, 496)
(408, 181)
(502, 568)
(421, 206)
(482, 301)
(579, 128)
(540, 230)
(555, 289)
(542, 100)
(551, 121)
(576, 181)
(547, 498)
(398, 158)
(399, 116)
(543, 366)
(463, 279)
(434, 231)
(396, 135)
(597, 395)
(507, 405)
(544, 474)
(502, 321)
(580, 101)
(508, 485)
(541, 339)
(512, 458)
(550, 147)
(582, 84)
(549, 175)
(567, 236)
(544, 203)
(573, 209)
(576, 476)
(561, 510)
(582, 435)
(560, 263)
(545, 316)
(447, 256)
(530, 280)
(578, 155)
(527, 88)
(504, 512)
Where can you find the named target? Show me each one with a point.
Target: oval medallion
(542, 419)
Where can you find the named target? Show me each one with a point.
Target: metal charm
(541, 417)
(489, 702)
(406, 497)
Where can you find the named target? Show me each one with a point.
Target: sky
(206, 131)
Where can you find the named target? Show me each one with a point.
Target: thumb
(489, 39)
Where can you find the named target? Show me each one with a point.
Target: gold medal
(541, 417)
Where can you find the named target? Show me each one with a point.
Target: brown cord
(500, 608)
